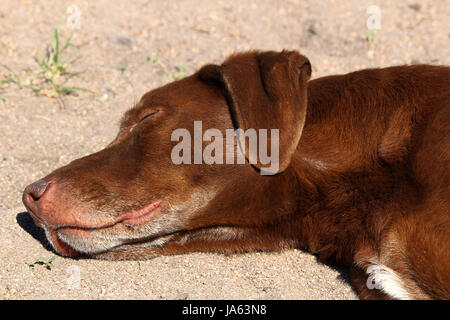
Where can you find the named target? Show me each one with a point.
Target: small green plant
(176, 73)
(11, 77)
(121, 67)
(152, 59)
(42, 261)
(53, 67)
(53, 73)
(371, 36)
(180, 72)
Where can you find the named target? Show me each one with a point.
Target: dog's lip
(61, 246)
(137, 217)
(143, 215)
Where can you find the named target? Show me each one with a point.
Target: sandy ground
(38, 135)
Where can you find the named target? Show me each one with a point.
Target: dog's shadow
(26, 223)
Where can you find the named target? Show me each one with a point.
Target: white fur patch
(386, 280)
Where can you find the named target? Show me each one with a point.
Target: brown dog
(362, 180)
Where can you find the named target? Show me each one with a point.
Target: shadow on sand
(26, 223)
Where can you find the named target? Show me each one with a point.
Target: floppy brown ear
(266, 90)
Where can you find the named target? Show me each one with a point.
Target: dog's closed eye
(148, 115)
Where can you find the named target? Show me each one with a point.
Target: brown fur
(363, 179)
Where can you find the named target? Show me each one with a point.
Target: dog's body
(363, 179)
(385, 197)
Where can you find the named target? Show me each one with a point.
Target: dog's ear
(265, 90)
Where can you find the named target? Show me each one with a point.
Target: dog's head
(174, 167)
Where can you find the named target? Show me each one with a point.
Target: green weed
(53, 71)
(42, 261)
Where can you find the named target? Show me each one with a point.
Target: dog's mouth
(74, 241)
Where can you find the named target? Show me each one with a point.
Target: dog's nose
(33, 193)
(37, 189)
